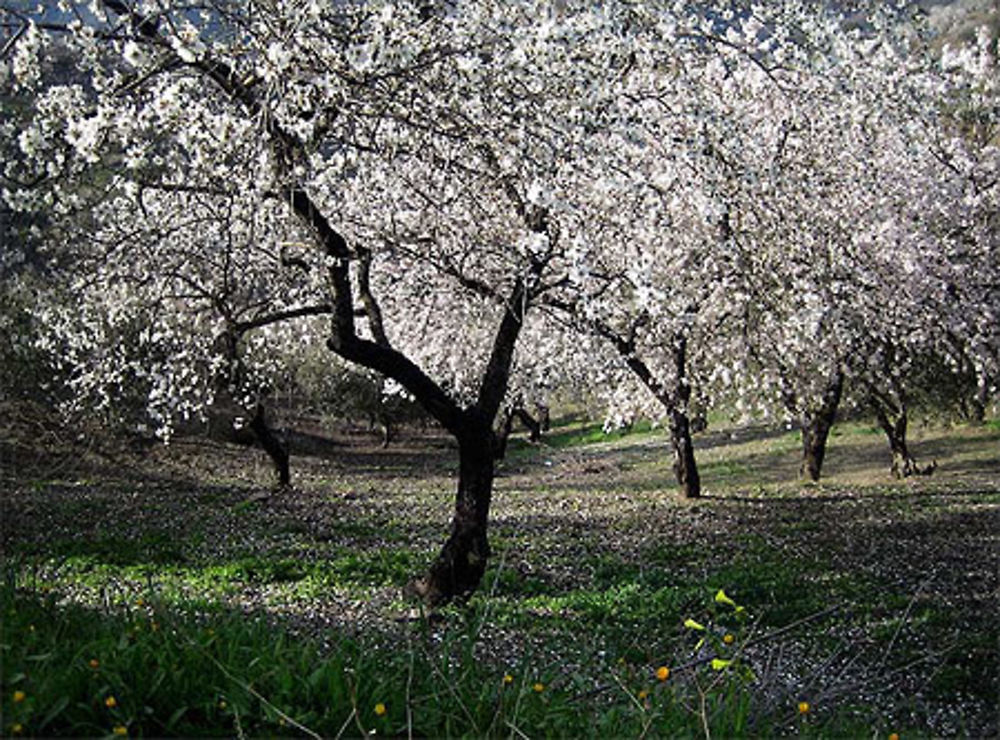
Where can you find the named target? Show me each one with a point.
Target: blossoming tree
(305, 158)
(409, 181)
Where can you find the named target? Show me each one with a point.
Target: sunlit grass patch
(592, 433)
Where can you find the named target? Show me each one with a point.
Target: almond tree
(330, 152)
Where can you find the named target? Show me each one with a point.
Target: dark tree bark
(502, 435)
(530, 423)
(893, 420)
(674, 400)
(512, 412)
(685, 467)
(462, 561)
(459, 567)
(544, 419)
(227, 344)
(816, 425)
(272, 445)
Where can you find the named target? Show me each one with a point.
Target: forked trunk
(459, 567)
(272, 445)
(515, 411)
(816, 425)
(893, 420)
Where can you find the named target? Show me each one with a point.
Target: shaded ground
(597, 560)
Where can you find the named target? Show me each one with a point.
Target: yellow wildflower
(804, 707)
(662, 673)
(120, 730)
(539, 687)
(19, 696)
(728, 639)
(508, 679)
(380, 709)
(721, 598)
(111, 702)
(94, 663)
(643, 694)
(893, 736)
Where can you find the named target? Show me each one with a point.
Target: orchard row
(667, 205)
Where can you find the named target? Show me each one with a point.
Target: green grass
(592, 433)
(149, 670)
(583, 595)
(154, 548)
(97, 564)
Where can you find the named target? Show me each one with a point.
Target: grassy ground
(180, 588)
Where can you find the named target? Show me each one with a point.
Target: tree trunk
(685, 467)
(674, 401)
(892, 418)
(544, 418)
(459, 567)
(515, 411)
(461, 563)
(816, 425)
(502, 435)
(272, 445)
(533, 426)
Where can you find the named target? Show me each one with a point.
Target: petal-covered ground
(862, 594)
